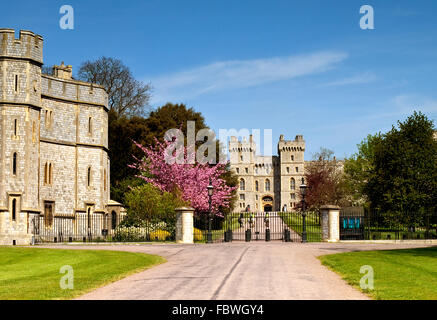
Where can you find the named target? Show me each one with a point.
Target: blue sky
(296, 67)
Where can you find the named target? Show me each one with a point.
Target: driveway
(234, 271)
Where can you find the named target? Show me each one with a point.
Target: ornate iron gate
(261, 226)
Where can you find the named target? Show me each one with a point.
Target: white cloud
(365, 77)
(233, 74)
(406, 103)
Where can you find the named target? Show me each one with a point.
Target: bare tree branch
(127, 96)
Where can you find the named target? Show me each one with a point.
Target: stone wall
(53, 120)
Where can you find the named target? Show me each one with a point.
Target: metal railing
(102, 228)
(359, 224)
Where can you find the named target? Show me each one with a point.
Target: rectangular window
(242, 197)
(247, 170)
(288, 170)
(297, 169)
(238, 170)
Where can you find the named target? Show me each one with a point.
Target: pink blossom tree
(188, 181)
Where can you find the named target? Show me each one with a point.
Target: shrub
(198, 235)
(160, 235)
(146, 202)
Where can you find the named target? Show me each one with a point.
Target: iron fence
(360, 224)
(102, 228)
(421, 224)
(260, 226)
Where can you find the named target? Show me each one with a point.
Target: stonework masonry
(54, 141)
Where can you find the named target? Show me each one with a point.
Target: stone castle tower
(268, 183)
(54, 142)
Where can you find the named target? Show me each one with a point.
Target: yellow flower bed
(198, 236)
(160, 235)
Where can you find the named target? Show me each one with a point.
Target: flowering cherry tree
(189, 181)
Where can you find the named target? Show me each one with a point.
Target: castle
(54, 143)
(268, 183)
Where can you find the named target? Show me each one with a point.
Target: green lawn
(34, 274)
(294, 221)
(398, 274)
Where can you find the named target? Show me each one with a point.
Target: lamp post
(303, 192)
(210, 191)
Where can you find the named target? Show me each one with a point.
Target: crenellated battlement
(298, 144)
(27, 46)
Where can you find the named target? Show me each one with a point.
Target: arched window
(292, 184)
(303, 180)
(14, 209)
(89, 177)
(242, 185)
(256, 186)
(46, 173)
(14, 164)
(267, 185)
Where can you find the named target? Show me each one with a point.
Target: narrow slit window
(89, 177)
(90, 125)
(46, 169)
(50, 174)
(14, 209)
(16, 83)
(15, 127)
(14, 163)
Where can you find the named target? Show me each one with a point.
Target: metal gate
(261, 226)
(352, 223)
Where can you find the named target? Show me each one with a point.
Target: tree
(186, 180)
(147, 201)
(358, 168)
(171, 116)
(126, 95)
(403, 182)
(146, 131)
(323, 176)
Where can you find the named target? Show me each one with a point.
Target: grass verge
(34, 274)
(398, 274)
